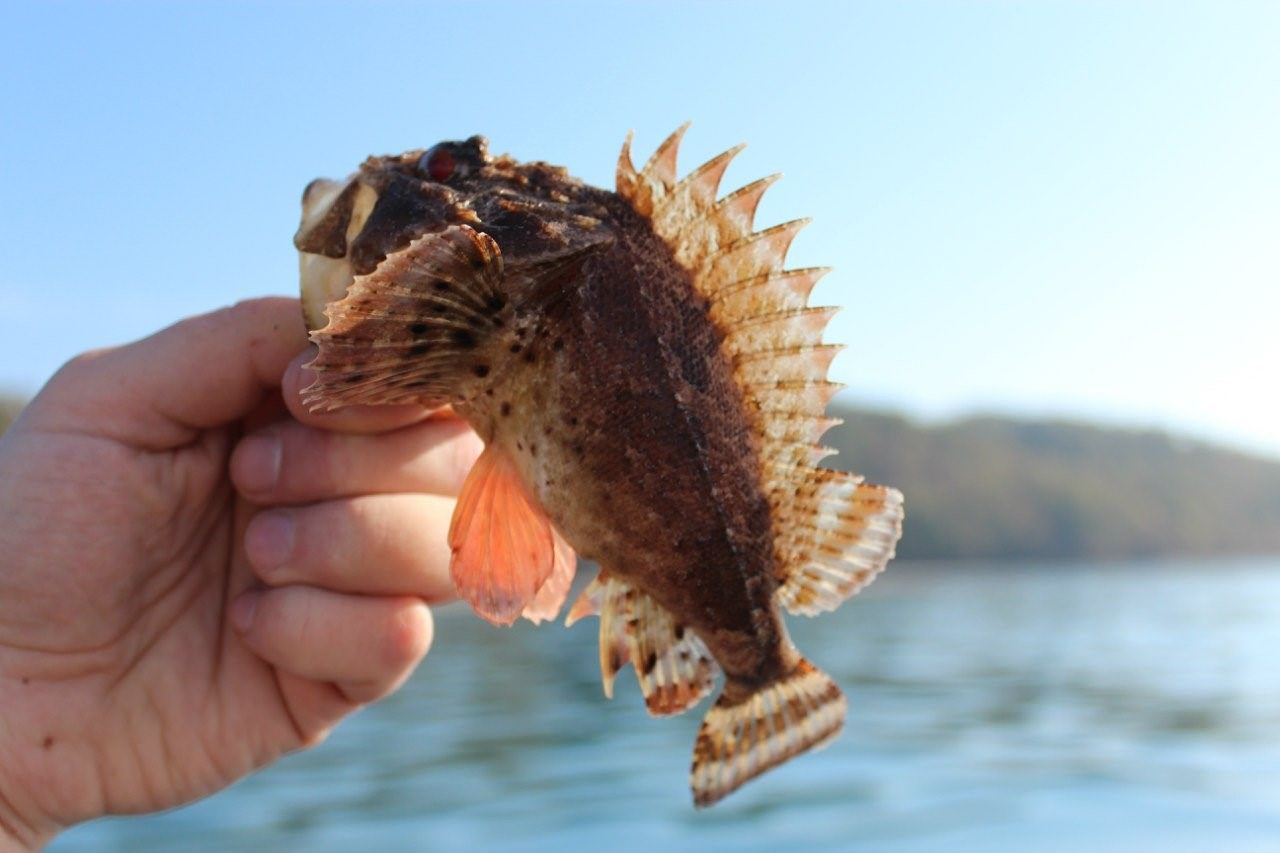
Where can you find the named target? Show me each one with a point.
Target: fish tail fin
(750, 731)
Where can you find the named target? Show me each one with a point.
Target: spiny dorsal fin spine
(703, 183)
(801, 456)
(764, 294)
(757, 253)
(794, 363)
(739, 206)
(628, 179)
(682, 213)
(647, 188)
(783, 331)
(790, 397)
(798, 428)
(661, 168)
(708, 233)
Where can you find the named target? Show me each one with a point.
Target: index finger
(361, 419)
(196, 374)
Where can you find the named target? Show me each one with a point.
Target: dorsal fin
(832, 533)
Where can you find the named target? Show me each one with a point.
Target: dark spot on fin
(391, 340)
(671, 663)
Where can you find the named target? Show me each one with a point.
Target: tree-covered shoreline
(1002, 488)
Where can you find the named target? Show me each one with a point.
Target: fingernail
(257, 464)
(305, 374)
(269, 540)
(242, 610)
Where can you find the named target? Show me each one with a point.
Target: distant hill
(996, 488)
(9, 408)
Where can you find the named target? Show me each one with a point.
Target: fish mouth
(333, 213)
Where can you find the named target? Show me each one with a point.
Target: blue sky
(1032, 207)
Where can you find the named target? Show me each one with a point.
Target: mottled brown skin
(611, 391)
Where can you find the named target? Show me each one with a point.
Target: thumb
(199, 373)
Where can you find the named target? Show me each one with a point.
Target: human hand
(161, 637)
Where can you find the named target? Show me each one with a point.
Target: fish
(651, 386)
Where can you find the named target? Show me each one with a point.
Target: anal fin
(550, 596)
(672, 664)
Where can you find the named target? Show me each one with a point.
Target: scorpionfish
(650, 384)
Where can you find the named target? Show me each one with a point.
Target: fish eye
(437, 163)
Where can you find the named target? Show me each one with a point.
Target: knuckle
(77, 367)
(251, 308)
(311, 467)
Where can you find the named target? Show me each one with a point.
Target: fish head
(532, 210)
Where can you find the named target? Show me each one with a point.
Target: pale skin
(197, 575)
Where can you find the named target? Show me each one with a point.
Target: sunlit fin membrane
(507, 557)
(417, 329)
(550, 597)
(839, 534)
(672, 664)
(739, 740)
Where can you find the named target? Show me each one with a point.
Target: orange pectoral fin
(507, 558)
(550, 598)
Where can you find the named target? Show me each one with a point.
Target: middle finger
(288, 462)
(371, 545)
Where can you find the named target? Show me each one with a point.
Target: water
(1062, 707)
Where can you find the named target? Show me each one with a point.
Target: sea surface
(992, 707)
